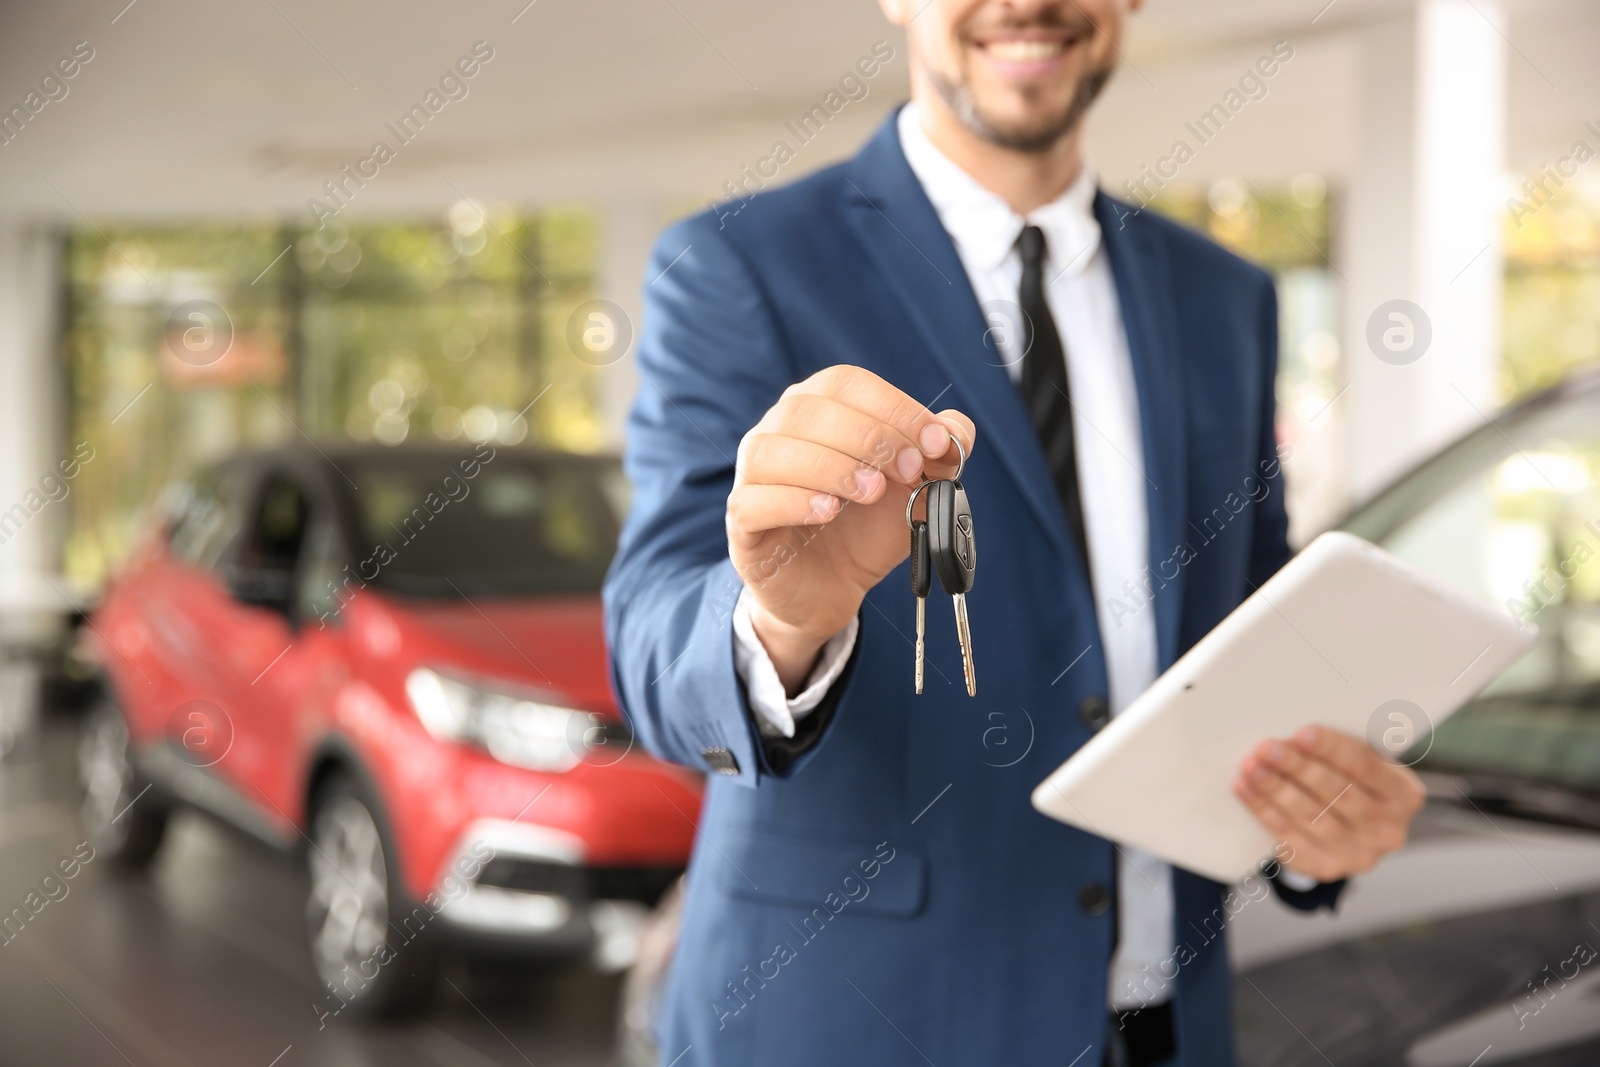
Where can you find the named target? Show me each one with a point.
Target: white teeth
(1023, 51)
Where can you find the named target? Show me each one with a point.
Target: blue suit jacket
(888, 895)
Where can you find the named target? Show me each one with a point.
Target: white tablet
(1344, 636)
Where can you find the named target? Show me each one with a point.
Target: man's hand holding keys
(843, 450)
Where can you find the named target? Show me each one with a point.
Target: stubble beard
(1037, 138)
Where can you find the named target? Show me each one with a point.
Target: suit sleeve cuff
(1300, 891)
(775, 712)
(1300, 883)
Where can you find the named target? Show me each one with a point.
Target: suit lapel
(901, 233)
(1144, 289)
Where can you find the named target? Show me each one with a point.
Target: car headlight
(509, 726)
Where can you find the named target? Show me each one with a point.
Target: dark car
(1479, 943)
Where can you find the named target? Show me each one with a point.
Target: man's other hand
(1337, 804)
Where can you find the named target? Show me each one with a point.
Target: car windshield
(512, 524)
(1511, 515)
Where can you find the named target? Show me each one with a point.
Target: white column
(30, 519)
(631, 226)
(30, 391)
(1421, 223)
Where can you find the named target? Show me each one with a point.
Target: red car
(391, 662)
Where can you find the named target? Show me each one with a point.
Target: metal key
(954, 553)
(921, 581)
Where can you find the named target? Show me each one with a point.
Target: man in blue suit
(871, 883)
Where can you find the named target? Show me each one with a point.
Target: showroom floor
(202, 960)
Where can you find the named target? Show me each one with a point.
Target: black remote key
(953, 551)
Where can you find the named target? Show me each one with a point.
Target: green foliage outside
(403, 330)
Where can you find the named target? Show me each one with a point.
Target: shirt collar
(983, 226)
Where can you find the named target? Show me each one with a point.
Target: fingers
(869, 394)
(961, 428)
(775, 459)
(823, 420)
(1305, 787)
(1340, 806)
(1309, 853)
(755, 509)
(1295, 800)
(1355, 760)
(840, 436)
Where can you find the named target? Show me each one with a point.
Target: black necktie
(1044, 384)
(1049, 398)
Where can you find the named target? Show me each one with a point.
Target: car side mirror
(262, 588)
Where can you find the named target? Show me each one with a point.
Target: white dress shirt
(1082, 296)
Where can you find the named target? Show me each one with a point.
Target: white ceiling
(191, 108)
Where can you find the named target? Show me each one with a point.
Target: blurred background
(263, 224)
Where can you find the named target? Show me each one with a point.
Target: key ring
(926, 481)
(962, 465)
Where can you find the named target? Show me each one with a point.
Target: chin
(1026, 129)
(1024, 122)
(1028, 123)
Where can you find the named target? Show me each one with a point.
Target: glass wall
(186, 343)
(1552, 299)
(1286, 230)
(1550, 319)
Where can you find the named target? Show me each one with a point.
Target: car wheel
(370, 959)
(122, 822)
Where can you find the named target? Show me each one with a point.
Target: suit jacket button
(1094, 712)
(1094, 899)
(721, 760)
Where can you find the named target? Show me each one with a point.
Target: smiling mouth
(1025, 50)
